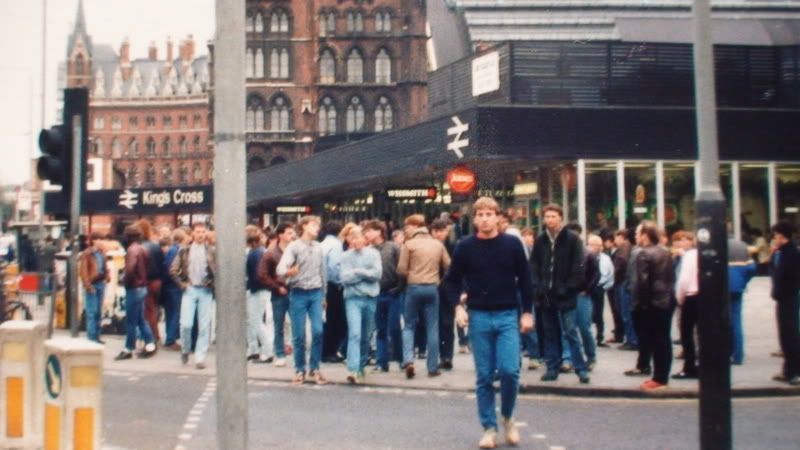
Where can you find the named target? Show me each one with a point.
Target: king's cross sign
(128, 199)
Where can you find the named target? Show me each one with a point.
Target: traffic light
(59, 143)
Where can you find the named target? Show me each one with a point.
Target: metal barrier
(37, 291)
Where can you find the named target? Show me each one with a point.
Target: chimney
(125, 53)
(187, 49)
(152, 52)
(170, 56)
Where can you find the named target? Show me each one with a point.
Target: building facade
(325, 72)
(148, 117)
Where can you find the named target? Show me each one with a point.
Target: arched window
(279, 22)
(210, 172)
(116, 149)
(167, 174)
(133, 149)
(383, 68)
(183, 174)
(255, 114)
(327, 117)
(258, 23)
(151, 148)
(97, 147)
(249, 63)
(196, 144)
(132, 178)
(384, 116)
(197, 172)
(327, 24)
(355, 22)
(279, 114)
(166, 148)
(355, 115)
(250, 24)
(327, 67)
(259, 63)
(355, 67)
(150, 175)
(383, 22)
(184, 147)
(80, 65)
(279, 63)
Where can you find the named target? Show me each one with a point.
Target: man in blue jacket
(741, 269)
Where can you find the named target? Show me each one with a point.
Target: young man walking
(785, 291)
(94, 275)
(557, 265)
(389, 338)
(194, 270)
(495, 271)
(303, 266)
(259, 339)
(277, 285)
(423, 260)
(334, 330)
(440, 230)
(135, 292)
(360, 276)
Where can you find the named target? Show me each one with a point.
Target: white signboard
(485, 74)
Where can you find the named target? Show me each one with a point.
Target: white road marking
(539, 436)
(184, 436)
(133, 379)
(521, 424)
(193, 419)
(190, 426)
(557, 447)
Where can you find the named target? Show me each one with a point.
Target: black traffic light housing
(59, 143)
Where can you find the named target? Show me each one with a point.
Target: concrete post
(21, 388)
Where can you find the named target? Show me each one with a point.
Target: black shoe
(683, 375)
(409, 368)
(637, 372)
(184, 358)
(100, 341)
(252, 357)
(583, 377)
(123, 355)
(446, 364)
(434, 374)
(602, 344)
(628, 347)
(263, 361)
(550, 376)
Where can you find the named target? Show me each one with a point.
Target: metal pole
(229, 213)
(40, 205)
(621, 195)
(712, 240)
(736, 200)
(772, 182)
(75, 222)
(581, 174)
(660, 203)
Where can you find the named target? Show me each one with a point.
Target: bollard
(73, 378)
(21, 388)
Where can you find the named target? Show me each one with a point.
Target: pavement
(752, 379)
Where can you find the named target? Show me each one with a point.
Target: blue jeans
(134, 318)
(171, 298)
(737, 331)
(360, 313)
(389, 338)
(554, 324)
(259, 341)
(422, 299)
(196, 299)
(280, 307)
(301, 303)
(626, 310)
(494, 336)
(93, 307)
(584, 321)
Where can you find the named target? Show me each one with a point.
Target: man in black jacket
(785, 287)
(557, 264)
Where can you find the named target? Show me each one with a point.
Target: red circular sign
(461, 180)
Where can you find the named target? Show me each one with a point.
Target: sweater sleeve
(524, 278)
(455, 274)
(347, 270)
(402, 264)
(373, 271)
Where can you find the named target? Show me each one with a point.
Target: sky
(108, 22)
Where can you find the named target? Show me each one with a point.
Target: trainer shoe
(652, 386)
(566, 368)
(352, 378)
(550, 376)
(262, 360)
(299, 379)
(533, 364)
(489, 439)
(280, 362)
(583, 377)
(123, 355)
(512, 433)
(200, 366)
(316, 375)
(184, 358)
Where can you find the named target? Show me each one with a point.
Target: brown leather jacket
(88, 271)
(266, 270)
(179, 271)
(655, 279)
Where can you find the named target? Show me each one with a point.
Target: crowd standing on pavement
(368, 292)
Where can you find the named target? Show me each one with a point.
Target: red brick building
(323, 72)
(149, 117)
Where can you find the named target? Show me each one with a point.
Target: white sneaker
(512, 433)
(280, 362)
(489, 439)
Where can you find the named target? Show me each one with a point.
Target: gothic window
(383, 22)
(197, 172)
(80, 65)
(355, 115)
(259, 62)
(133, 122)
(166, 148)
(383, 68)
(167, 120)
(133, 149)
(355, 22)
(279, 22)
(183, 121)
(184, 147)
(279, 114)
(327, 67)
(279, 63)
(250, 24)
(327, 24)
(249, 63)
(97, 147)
(355, 67)
(150, 175)
(258, 23)
(197, 120)
(167, 173)
(132, 178)
(116, 148)
(196, 145)
(151, 148)
(116, 123)
(254, 120)
(150, 121)
(99, 123)
(256, 163)
(384, 116)
(183, 174)
(327, 117)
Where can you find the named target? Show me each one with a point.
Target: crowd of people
(368, 292)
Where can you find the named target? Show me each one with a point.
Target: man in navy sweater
(497, 275)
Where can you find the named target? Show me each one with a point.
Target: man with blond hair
(495, 271)
(422, 262)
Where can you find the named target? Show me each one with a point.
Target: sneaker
(200, 366)
(100, 341)
(262, 360)
(463, 349)
(583, 377)
(409, 369)
(316, 375)
(512, 433)
(533, 364)
(637, 372)
(434, 374)
(550, 376)
(591, 365)
(352, 378)
(602, 344)
(299, 378)
(652, 386)
(149, 350)
(489, 439)
(184, 358)
(174, 347)
(123, 355)
(252, 357)
(566, 368)
(280, 362)
(446, 364)
(684, 375)
(628, 347)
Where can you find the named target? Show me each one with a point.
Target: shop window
(355, 116)
(383, 68)
(640, 192)
(788, 185)
(327, 117)
(601, 197)
(679, 194)
(327, 67)
(753, 190)
(384, 116)
(355, 67)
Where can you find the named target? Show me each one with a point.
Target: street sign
(425, 193)
(462, 180)
(189, 199)
(459, 141)
(52, 377)
(293, 209)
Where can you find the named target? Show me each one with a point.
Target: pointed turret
(79, 53)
